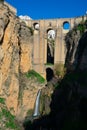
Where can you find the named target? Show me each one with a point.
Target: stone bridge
(49, 41)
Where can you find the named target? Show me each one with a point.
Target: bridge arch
(36, 26)
(55, 28)
(49, 73)
(66, 25)
(50, 32)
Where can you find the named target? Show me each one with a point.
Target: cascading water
(37, 104)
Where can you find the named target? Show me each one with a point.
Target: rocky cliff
(7, 120)
(15, 60)
(76, 40)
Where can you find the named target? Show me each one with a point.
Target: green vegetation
(33, 74)
(6, 117)
(10, 123)
(30, 112)
(77, 34)
(31, 30)
(49, 64)
(81, 28)
(2, 100)
(9, 119)
(60, 70)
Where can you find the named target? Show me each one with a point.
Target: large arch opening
(50, 46)
(49, 74)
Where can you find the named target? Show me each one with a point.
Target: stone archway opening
(50, 46)
(36, 26)
(66, 25)
(49, 74)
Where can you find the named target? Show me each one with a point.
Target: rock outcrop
(15, 60)
(7, 120)
(76, 40)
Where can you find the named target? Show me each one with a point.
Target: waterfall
(37, 104)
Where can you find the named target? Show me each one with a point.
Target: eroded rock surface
(15, 58)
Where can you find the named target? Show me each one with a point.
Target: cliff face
(81, 53)
(15, 56)
(76, 46)
(7, 120)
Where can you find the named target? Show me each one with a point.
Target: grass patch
(7, 114)
(49, 64)
(10, 124)
(33, 74)
(2, 100)
(9, 119)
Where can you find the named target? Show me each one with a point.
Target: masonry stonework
(39, 51)
(40, 36)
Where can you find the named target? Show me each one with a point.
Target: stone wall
(40, 28)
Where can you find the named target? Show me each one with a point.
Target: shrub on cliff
(34, 74)
(60, 70)
(7, 120)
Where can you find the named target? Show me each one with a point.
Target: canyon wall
(15, 59)
(17, 56)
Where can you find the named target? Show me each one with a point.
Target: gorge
(63, 93)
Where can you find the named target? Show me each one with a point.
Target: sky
(50, 9)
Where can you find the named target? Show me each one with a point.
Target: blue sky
(47, 9)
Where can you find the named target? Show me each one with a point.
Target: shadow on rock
(68, 102)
